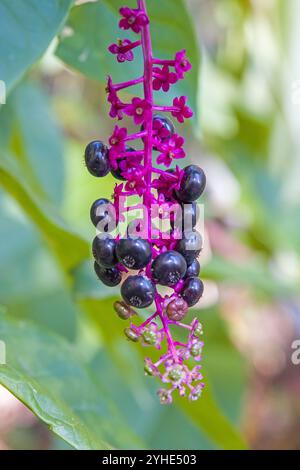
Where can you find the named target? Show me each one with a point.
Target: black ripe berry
(134, 253)
(96, 158)
(103, 215)
(117, 173)
(109, 276)
(192, 290)
(138, 291)
(193, 269)
(104, 251)
(168, 268)
(192, 184)
(190, 246)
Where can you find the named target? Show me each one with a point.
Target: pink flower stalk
(163, 78)
(139, 109)
(116, 109)
(182, 64)
(147, 259)
(182, 112)
(123, 50)
(160, 133)
(117, 139)
(133, 19)
(171, 150)
(135, 181)
(167, 183)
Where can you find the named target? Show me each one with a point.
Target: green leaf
(43, 299)
(47, 375)
(26, 29)
(255, 274)
(69, 247)
(95, 25)
(207, 414)
(40, 153)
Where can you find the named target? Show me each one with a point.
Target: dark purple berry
(134, 253)
(192, 290)
(192, 184)
(96, 158)
(117, 173)
(177, 309)
(138, 291)
(104, 251)
(103, 215)
(168, 268)
(190, 246)
(109, 276)
(193, 269)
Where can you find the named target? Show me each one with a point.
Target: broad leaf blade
(45, 372)
(26, 29)
(69, 247)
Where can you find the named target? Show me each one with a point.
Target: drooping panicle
(146, 257)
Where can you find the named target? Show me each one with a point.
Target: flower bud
(177, 309)
(196, 349)
(123, 310)
(148, 369)
(198, 331)
(165, 396)
(176, 373)
(150, 337)
(196, 392)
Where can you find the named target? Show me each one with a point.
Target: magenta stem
(129, 47)
(149, 320)
(164, 320)
(148, 92)
(162, 172)
(182, 325)
(163, 62)
(138, 135)
(121, 86)
(136, 153)
(165, 109)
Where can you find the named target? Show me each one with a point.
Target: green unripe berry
(198, 331)
(150, 337)
(148, 370)
(196, 349)
(176, 373)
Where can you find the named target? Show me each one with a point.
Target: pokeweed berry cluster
(156, 266)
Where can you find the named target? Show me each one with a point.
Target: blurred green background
(67, 359)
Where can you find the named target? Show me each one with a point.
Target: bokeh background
(67, 359)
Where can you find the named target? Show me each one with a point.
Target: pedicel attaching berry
(157, 268)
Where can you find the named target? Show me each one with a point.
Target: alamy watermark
(2, 353)
(295, 357)
(164, 221)
(2, 92)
